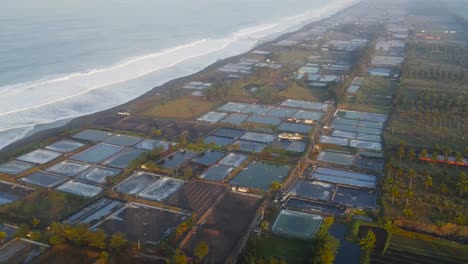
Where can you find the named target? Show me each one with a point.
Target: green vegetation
(425, 193)
(183, 108)
(43, 205)
(431, 103)
(373, 96)
(367, 244)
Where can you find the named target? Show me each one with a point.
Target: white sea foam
(26, 105)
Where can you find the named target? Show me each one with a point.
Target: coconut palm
(409, 194)
(428, 181)
(423, 154)
(411, 174)
(411, 154)
(395, 192)
(462, 184)
(458, 158)
(447, 152)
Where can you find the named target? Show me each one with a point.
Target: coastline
(84, 121)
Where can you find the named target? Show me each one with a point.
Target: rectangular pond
(233, 160)
(95, 212)
(305, 105)
(123, 159)
(334, 140)
(209, 157)
(260, 175)
(39, 156)
(65, 146)
(312, 190)
(174, 160)
(68, 168)
(258, 137)
(92, 135)
(295, 128)
(297, 224)
(15, 167)
(365, 145)
(161, 189)
(308, 115)
(98, 175)
(235, 119)
(216, 173)
(232, 107)
(219, 141)
(152, 144)
(137, 182)
(344, 177)
(336, 158)
(355, 197)
(250, 146)
(123, 140)
(97, 153)
(212, 117)
(44, 179)
(264, 120)
(256, 109)
(228, 133)
(282, 112)
(79, 188)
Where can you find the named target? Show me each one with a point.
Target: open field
(293, 250)
(196, 196)
(46, 205)
(142, 223)
(184, 108)
(224, 226)
(375, 96)
(20, 251)
(12, 192)
(407, 248)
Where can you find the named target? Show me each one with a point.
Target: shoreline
(86, 120)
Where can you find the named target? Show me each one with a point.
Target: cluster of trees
(80, 235)
(436, 73)
(401, 179)
(452, 54)
(367, 244)
(434, 112)
(200, 252)
(325, 245)
(218, 90)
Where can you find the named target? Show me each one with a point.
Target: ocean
(61, 59)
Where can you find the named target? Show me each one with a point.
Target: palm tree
(409, 194)
(423, 154)
(401, 151)
(434, 157)
(462, 184)
(411, 154)
(427, 180)
(411, 174)
(458, 158)
(394, 191)
(389, 168)
(367, 244)
(201, 250)
(447, 152)
(399, 173)
(3, 235)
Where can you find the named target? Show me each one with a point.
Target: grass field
(184, 108)
(428, 245)
(293, 250)
(375, 96)
(46, 205)
(408, 247)
(298, 92)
